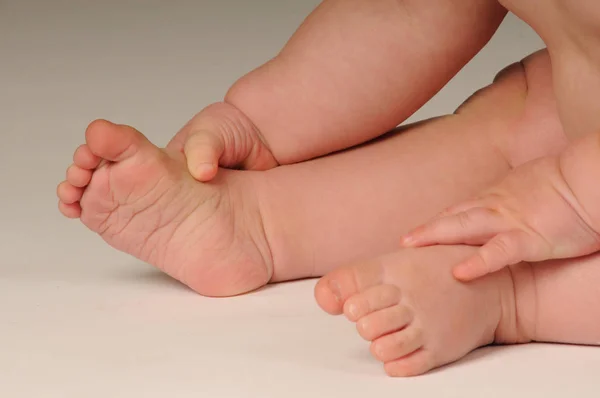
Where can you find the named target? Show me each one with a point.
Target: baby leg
(559, 301)
(418, 317)
(356, 204)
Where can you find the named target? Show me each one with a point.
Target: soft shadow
(480, 355)
(141, 274)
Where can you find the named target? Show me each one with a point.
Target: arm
(355, 69)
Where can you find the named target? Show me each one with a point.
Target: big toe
(332, 291)
(114, 142)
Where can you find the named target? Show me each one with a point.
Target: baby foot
(142, 200)
(417, 316)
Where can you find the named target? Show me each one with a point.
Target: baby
(336, 85)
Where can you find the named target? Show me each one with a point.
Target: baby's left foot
(417, 316)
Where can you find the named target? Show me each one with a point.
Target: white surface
(78, 319)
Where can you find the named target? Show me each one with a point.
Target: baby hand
(531, 215)
(221, 135)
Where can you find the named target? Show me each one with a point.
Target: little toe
(415, 364)
(383, 322)
(72, 210)
(397, 344)
(78, 177)
(114, 142)
(335, 288)
(373, 299)
(85, 159)
(68, 193)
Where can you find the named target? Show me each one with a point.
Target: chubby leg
(418, 317)
(356, 204)
(246, 229)
(559, 300)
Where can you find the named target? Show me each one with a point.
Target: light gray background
(78, 319)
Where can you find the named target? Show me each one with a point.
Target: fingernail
(334, 286)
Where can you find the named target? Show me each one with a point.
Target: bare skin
(354, 70)
(418, 317)
(142, 200)
(246, 229)
(571, 32)
(537, 212)
(545, 209)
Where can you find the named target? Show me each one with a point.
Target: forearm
(355, 69)
(358, 203)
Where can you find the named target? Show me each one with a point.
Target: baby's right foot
(142, 200)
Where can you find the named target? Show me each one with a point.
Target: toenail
(353, 310)
(378, 350)
(363, 324)
(334, 286)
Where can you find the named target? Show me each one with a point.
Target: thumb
(203, 149)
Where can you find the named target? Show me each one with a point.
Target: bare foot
(407, 303)
(142, 200)
(415, 314)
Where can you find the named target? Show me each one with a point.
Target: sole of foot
(141, 200)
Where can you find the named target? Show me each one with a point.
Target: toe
(372, 299)
(383, 322)
(78, 177)
(335, 288)
(398, 344)
(414, 364)
(72, 210)
(68, 194)
(85, 159)
(114, 142)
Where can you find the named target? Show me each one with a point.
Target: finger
(203, 150)
(474, 227)
(503, 250)
(460, 208)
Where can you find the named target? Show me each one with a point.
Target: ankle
(518, 303)
(577, 164)
(246, 191)
(281, 236)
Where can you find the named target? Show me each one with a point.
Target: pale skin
(245, 229)
(545, 209)
(548, 208)
(356, 69)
